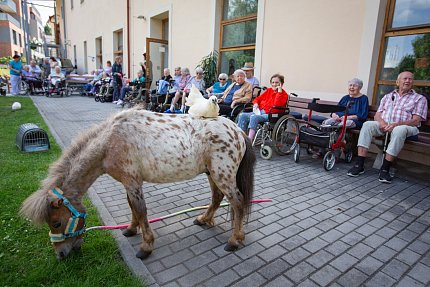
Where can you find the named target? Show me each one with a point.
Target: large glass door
(156, 59)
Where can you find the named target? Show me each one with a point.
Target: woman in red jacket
(274, 96)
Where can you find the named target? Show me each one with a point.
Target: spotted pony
(134, 146)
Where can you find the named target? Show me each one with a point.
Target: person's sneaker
(168, 111)
(385, 177)
(114, 102)
(356, 170)
(178, 111)
(119, 102)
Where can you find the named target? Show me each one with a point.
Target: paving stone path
(322, 228)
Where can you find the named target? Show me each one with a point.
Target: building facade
(11, 35)
(36, 32)
(317, 45)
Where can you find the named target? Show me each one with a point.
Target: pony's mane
(35, 207)
(60, 169)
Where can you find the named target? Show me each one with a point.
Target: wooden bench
(76, 83)
(414, 151)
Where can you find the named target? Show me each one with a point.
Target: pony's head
(65, 222)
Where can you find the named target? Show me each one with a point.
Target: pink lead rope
(171, 215)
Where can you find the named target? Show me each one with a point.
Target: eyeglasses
(222, 79)
(199, 73)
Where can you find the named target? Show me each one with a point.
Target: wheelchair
(30, 86)
(105, 93)
(57, 89)
(279, 133)
(334, 139)
(160, 101)
(136, 95)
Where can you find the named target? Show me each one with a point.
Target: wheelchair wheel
(258, 139)
(297, 153)
(329, 160)
(102, 99)
(97, 98)
(285, 135)
(24, 88)
(348, 156)
(266, 152)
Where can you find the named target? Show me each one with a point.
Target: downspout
(128, 37)
(64, 28)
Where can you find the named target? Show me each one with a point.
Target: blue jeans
(251, 120)
(116, 89)
(123, 91)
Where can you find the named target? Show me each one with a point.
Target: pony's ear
(56, 203)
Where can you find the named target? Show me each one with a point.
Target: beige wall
(92, 19)
(317, 44)
(191, 35)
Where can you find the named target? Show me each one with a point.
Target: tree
(48, 30)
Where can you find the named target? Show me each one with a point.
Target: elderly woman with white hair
(218, 88)
(237, 93)
(359, 110)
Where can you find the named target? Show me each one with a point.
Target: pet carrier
(31, 138)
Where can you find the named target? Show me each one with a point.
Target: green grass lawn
(26, 255)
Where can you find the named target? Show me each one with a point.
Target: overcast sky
(45, 12)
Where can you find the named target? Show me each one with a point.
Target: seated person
(399, 113)
(197, 81)
(185, 77)
(26, 74)
(274, 96)
(357, 113)
(238, 92)
(177, 77)
(128, 86)
(219, 87)
(108, 68)
(56, 77)
(163, 83)
(91, 86)
(249, 70)
(35, 69)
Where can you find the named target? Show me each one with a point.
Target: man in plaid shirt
(400, 113)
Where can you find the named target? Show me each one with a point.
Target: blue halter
(70, 230)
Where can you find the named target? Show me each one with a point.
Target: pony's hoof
(196, 222)
(128, 232)
(143, 254)
(230, 247)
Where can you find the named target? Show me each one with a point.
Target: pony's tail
(245, 176)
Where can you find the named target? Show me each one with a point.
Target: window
(20, 40)
(238, 34)
(118, 43)
(405, 47)
(14, 37)
(99, 52)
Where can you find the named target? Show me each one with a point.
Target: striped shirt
(402, 108)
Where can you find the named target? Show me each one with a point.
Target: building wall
(7, 47)
(317, 45)
(95, 20)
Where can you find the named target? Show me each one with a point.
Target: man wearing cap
(15, 68)
(249, 71)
